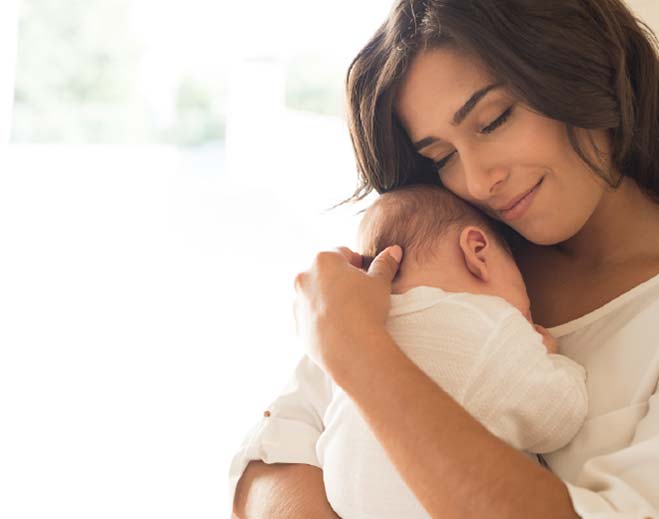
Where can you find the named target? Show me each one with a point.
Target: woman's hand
(337, 303)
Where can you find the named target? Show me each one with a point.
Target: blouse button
(267, 413)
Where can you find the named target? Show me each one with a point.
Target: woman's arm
(280, 451)
(454, 466)
(294, 491)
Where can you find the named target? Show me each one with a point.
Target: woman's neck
(623, 228)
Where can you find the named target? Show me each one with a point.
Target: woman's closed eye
(498, 122)
(487, 130)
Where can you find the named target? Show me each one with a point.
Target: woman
(546, 116)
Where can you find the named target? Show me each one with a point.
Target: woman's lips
(521, 206)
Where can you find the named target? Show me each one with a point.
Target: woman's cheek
(452, 179)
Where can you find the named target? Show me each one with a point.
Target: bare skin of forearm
(281, 490)
(453, 464)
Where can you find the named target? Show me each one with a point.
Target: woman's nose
(483, 178)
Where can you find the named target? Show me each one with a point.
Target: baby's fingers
(547, 338)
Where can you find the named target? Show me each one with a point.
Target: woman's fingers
(336, 302)
(353, 258)
(385, 265)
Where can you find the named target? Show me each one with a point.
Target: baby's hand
(547, 338)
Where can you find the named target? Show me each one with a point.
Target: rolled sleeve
(289, 429)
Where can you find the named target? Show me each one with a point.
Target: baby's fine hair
(417, 217)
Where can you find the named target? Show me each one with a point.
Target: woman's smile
(521, 206)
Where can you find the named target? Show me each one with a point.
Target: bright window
(169, 171)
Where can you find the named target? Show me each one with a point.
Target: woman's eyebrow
(461, 114)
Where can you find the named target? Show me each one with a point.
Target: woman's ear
(476, 248)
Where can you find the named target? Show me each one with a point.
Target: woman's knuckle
(323, 259)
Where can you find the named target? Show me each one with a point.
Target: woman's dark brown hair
(587, 63)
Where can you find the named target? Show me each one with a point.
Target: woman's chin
(544, 236)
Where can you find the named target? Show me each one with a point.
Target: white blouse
(611, 467)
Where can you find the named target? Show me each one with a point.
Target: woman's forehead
(443, 74)
(437, 83)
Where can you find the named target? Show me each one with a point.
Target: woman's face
(497, 152)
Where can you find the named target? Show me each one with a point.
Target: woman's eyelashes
(441, 163)
(498, 122)
(487, 130)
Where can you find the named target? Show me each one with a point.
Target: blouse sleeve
(623, 484)
(289, 428)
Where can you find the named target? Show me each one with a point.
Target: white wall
(648, 11)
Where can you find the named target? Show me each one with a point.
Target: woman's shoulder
(633, 313)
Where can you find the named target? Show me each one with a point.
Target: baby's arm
(533, 399)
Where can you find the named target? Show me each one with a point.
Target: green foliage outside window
(314, 83)
(76, 72)
(77, 80)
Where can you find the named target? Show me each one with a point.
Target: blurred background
(165, 170)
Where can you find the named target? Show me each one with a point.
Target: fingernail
(396, 252)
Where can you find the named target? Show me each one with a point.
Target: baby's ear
(475, 247)
(475, 239)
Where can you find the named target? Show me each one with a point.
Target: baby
(460, 312)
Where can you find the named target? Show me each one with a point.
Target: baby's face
(508, 282)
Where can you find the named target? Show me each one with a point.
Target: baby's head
(447, 243)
